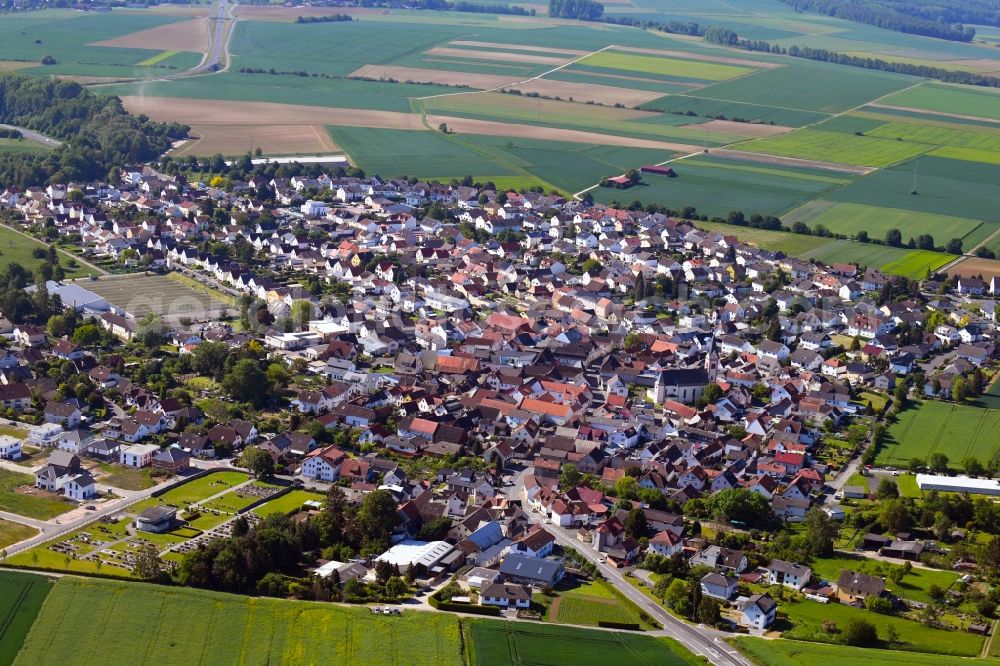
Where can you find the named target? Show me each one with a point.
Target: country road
(31, 135)
(700, 640)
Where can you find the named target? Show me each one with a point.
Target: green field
(944, 186)
(941, 135)
(148, 624)
(798, 653)
(15, 247)
(813, 144)
(914, 585)
(68, 36)
(553, 164)
(716, 186)
(691, 69)
(11, 533)
(31, 506)
(962, 100)
(932, 426)
(588, 604)
(288, 503)
(917, 264)
(850, 218)
(495, 643)
(776, 241)
(21, 597)
(807, 618)
(809, 86)
(706, 108)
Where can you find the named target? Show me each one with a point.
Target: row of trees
(911, 17)
(727, 37)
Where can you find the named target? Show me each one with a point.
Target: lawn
(932, 426)
(495, 643)
(807, 618)
(715, 186)
(234, 501)
(907, 484)
(797, 653)
(11, 533)
(814, 144)
(876, 400)
(201, 627)
(200, 488)
(914, 585)
(851, 218)
(691, 69)
(21, 597)
(31, 506)
(966, 100)
(288, 503)
(15, 247)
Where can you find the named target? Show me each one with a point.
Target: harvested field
(11, 65)
(791, 161)
(586, 92)
(752, 130)
(203, 112)
(289, 14)
(232, 140)
(519, 47)
(706, 58)
(424, 75)
(501, 56)
(183, 36)
(491, 128)
(972, 266)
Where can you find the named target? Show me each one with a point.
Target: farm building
(958, 484)
(620, 181)
(657, 170)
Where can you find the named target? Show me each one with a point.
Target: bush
(619, 625)
(860, 633)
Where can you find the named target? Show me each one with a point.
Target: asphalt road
(700, 640)
(215, 57)
(34, 136)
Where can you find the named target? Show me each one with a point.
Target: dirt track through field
(189, 35)
(492, 128)
(495, 56)
(790, 161)
(519, 47)
(751, 130)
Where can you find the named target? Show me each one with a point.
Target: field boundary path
(518, 83)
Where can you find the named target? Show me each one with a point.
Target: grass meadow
(15, 247)
(11, 533)
(942, 427)
(806, 619)
(851, 218)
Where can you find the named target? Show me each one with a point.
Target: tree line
(585, 10)
(98, 134)
(912, 17)
(726, 37)
(332, 18)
